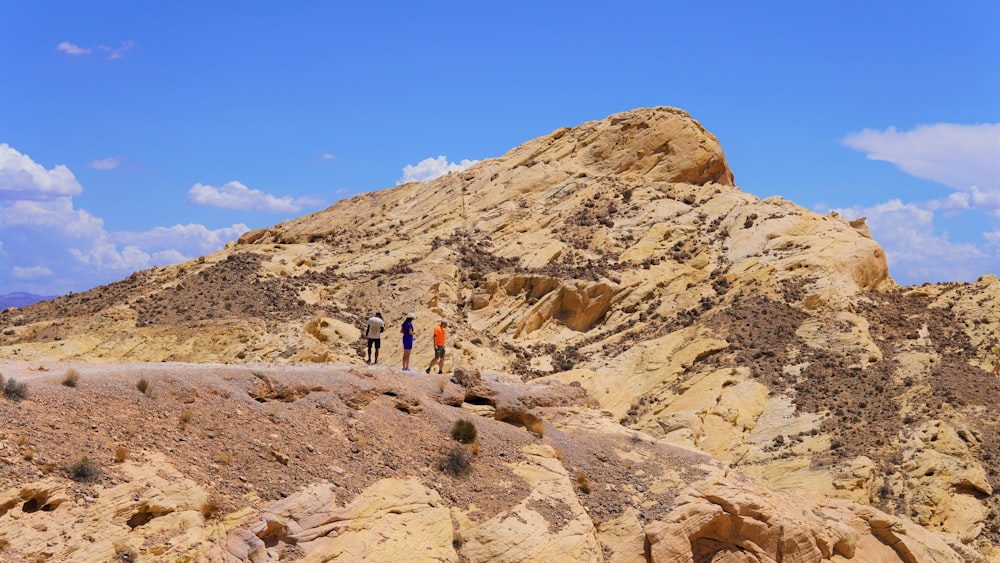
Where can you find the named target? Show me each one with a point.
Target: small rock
(310, 448)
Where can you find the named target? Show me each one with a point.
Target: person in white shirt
(375, 327)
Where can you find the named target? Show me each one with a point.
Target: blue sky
(135, 134)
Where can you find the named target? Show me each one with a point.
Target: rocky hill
(694, 344)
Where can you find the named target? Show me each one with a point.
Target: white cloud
(185, 241)
(71, 49)
(430, 168)
(21, 178)
(117, 52)
(30, 273)
(965, 158)
(109, 163)
(50, 247)
(328, 156)
(113, 53)
(234, 195)
(958, 156)
(915, 252)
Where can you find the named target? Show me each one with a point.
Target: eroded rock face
(727, 518)
(618, 256)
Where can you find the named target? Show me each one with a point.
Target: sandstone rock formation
(618, 257)
(202, 467)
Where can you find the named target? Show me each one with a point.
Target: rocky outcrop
(620, 257)
(206, 468)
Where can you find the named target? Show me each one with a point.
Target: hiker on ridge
(438, 347)
(374, 334)
(407, 330)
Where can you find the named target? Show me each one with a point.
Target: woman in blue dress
(407, 331)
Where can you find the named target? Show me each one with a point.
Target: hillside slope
(618, 255)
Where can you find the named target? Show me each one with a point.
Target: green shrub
(464, 431)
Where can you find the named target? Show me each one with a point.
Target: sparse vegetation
(456, 460)
(84, 470)
(121, 454)
(143, 386)
(13, 389)
(535, 426)
(464, 431)
(71, 378)
(212, 507)
(185, 417)
(441, 382)
(582, 483)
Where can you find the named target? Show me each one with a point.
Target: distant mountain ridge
(22, 299)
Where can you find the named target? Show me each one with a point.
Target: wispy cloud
(430, 168)
(30, 273)
(109, 163)
(71, 49)
(113, 53)
(234, 195)
(117, 52)
(328, 156)
(965, 158)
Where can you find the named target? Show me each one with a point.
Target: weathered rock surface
(187, 472)
(618, 256)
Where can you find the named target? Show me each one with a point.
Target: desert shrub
(121, 453)
(71, 378)
(464, 431)
(442, 382)
(143, 386)
(582, 482)
(185, 416)
(457, 461)
(84, 470)
(211, 507)
(14, 390)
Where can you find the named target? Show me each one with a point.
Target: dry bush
(121, 453)
(457, 461)
(84, 470)
(28, 454)
(464, 431)
(212, 507)
(441, 382)
(535, 426)
(475, 448)
(582, 482)
(223, 457)
(71, 378)
(14, 390)
(185, 416)
(143, 386)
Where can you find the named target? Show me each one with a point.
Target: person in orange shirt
(438, 346)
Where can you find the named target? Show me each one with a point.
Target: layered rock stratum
(660, 366)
